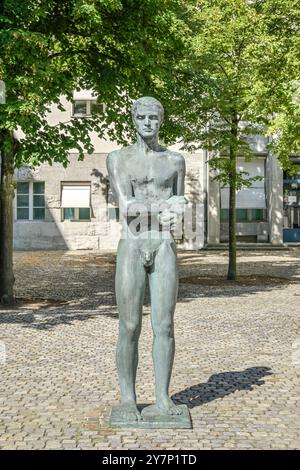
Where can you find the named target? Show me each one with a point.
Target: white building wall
(100, 232)
(55, 233)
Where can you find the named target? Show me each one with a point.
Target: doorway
(291, 209)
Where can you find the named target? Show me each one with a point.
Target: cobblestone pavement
(237, 363)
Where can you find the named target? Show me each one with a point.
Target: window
(23, 201)
(114, 213)
(250, 202)
(259, 215)
(75, 201)
(31, 201)
(245, 215)
(76, 213)
(253, 197)
(87, 108)
(241, 215)
(38, 201)
(79, 107)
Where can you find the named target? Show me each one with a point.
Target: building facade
(72, 208)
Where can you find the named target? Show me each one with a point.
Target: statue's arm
(178, 201)
(119, 186)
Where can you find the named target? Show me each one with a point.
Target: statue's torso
(148, 180)
(150, 177)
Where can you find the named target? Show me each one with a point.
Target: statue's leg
(163, 281)
(130, 289)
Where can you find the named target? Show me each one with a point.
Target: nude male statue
(147, 181)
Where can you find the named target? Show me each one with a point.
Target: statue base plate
(152, 418)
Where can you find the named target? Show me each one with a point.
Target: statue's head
(147, 115)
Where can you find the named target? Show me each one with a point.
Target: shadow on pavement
(220, 385)
(46, 319)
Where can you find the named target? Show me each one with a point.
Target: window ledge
(75, 116)
(30, 220)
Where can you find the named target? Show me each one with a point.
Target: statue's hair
(146, 101)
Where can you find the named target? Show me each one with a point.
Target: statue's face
(147, 120)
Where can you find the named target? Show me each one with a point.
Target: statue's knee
(130, 329)
(163, 329)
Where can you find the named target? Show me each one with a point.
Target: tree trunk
(6, 217)
(231, 274)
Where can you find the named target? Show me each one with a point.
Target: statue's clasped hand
(174, 211)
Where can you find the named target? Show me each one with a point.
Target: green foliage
(51, 47)
(224, 70)
(285, 130)
(235, 80)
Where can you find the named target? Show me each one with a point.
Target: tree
(49, 48)
(234, 82)
(285, 129)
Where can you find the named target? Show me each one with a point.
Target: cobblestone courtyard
(237, 363)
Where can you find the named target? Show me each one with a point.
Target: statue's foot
(167, 406)
(128, 412)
